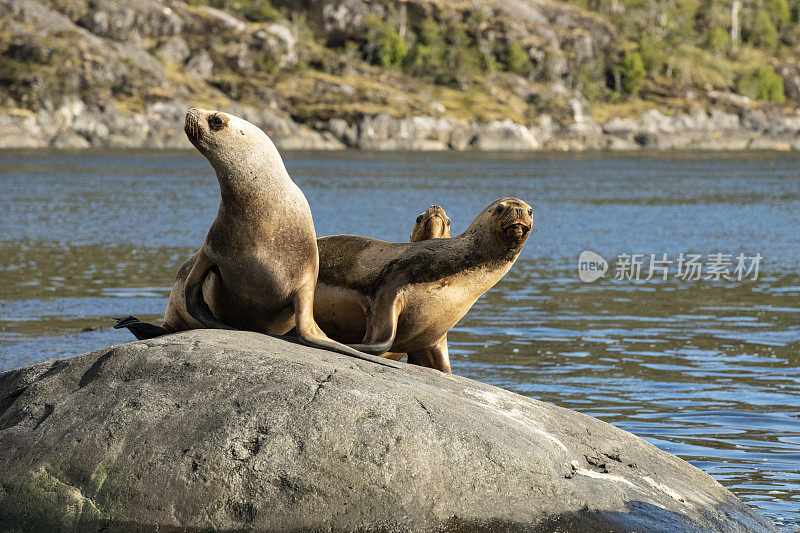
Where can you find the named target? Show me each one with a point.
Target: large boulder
(219, 430)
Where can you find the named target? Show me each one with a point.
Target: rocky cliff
(416, 74)
(220, 430)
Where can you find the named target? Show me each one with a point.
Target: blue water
(707, 370)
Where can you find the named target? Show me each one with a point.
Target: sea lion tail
(141, 330)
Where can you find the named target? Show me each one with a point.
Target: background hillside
(418, 74)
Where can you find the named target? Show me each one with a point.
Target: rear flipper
(333, 346)
(141, 330)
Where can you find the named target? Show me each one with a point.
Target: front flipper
(436, 356)
(196, 305)
(141, 330)
(309, 333)
(382, 316)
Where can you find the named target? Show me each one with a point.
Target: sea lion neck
(246, 185)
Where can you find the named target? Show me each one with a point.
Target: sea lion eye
(448, 222)
(500, 208)
(419, 219)
(530, 211)
(216, 122)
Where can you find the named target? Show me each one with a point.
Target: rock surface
(230, 430)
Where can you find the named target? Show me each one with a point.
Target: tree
(633, 73)
(763, 33)
(718, 40)
(384, 44)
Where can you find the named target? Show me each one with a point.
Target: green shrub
(589, 83)
(430, 34)
(763, 33)
(762, 84)
(653, 55)
(385, 45)
(633, 73)
(770, 85)
(684, 14)
(462, 54)
(259, 11)
(516, 59)
(778, 11)
(718, 40)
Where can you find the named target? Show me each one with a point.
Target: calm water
(705, 369)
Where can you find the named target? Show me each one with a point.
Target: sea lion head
(507, 220)
(227, 141)
(432, 224)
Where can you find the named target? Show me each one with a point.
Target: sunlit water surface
(707, 370)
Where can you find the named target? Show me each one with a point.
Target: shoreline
(74, 126)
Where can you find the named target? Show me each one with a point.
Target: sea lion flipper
(141, 330)
(382, 316)
(196, 305)
(436, 356)
(333, 346)
(310, 334)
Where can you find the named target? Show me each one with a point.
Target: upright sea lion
(404, 298)
(258, 265)
(432, 224)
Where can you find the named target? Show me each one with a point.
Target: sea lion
(258, 265)
(404, 298)
(432, 224)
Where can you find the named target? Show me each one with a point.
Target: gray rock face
(229, 430)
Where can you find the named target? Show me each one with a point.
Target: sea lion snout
(191, 125)
(516, 217)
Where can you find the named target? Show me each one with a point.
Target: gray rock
(235, 430)
(279, 43)
(121, 19)
(174, 49)
(791, 81)
(200, 65)
(505, 135)
(345, 19)
(223, 20)
(70, 140)
(620, 126)
(383, 132)
(20, 130)
(755, 120)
